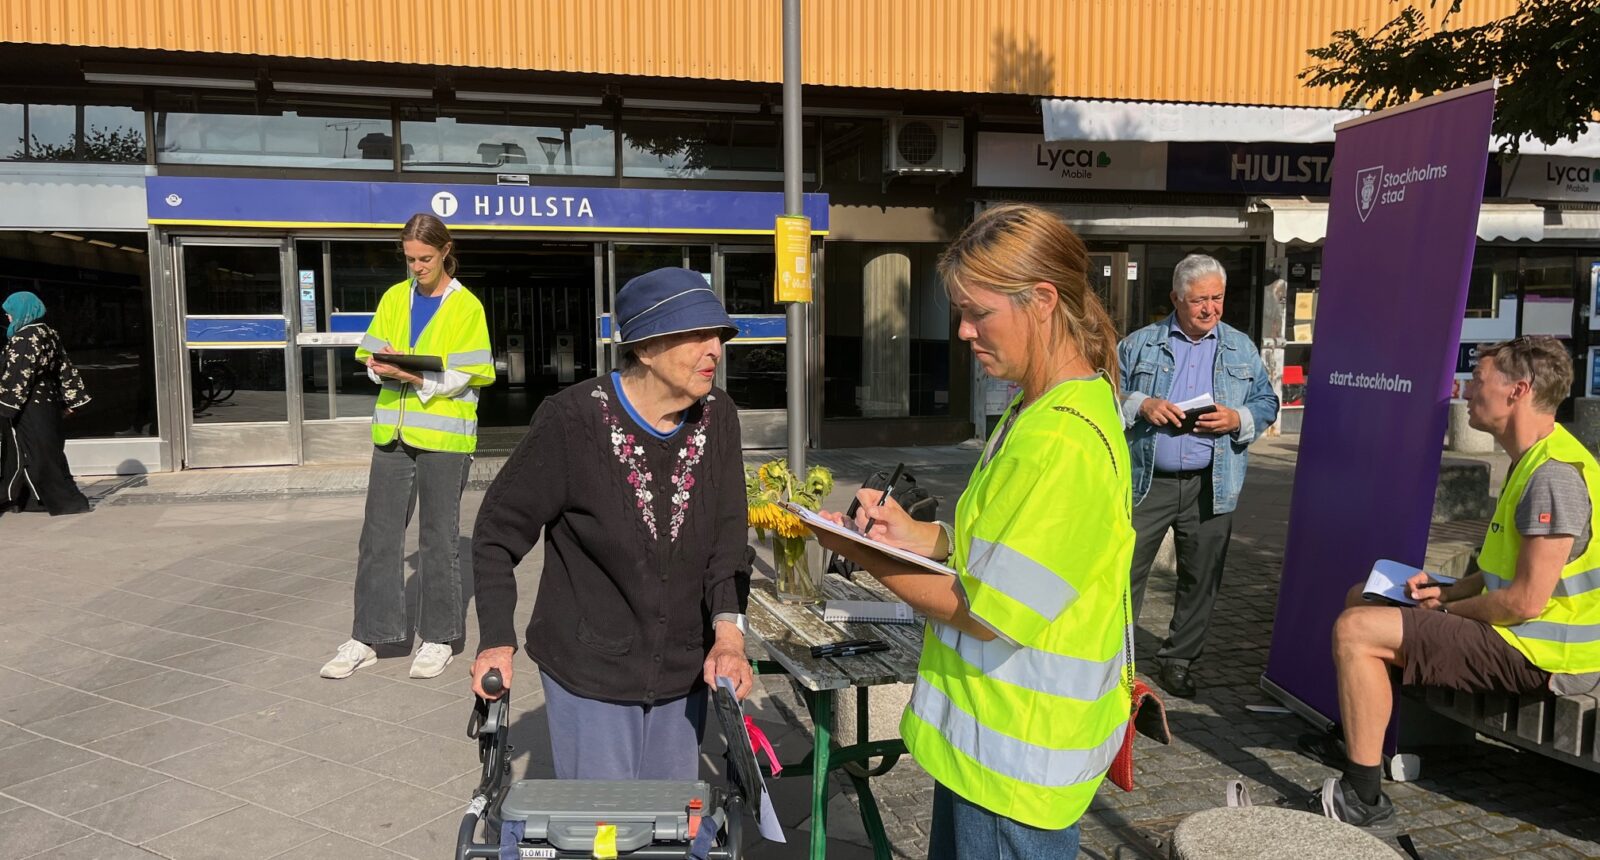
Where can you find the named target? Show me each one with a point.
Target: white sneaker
(431, 659)
(352, 655)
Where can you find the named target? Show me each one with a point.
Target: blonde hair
(1013, 247)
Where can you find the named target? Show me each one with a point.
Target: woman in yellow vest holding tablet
(424, 429)
(1023, 689)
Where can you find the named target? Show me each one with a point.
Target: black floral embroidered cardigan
(36, 369)
(642, 538)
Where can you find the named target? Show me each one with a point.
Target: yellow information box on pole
(792, 242)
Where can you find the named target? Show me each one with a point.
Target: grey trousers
(402, 480)
(592, 739)
(1183, 504)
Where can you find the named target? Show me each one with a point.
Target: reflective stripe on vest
(1020, 578)
(374, 344)
(1568, 586)
(476, 356)
(459, 426)
(1565, 636)
(1008, 756)
(1032, 669)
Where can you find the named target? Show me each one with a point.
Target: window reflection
(100, 305)
(509, 142)
(235, 134)
(723, 147)
(96, 133)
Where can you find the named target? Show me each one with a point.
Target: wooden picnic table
(786, 632)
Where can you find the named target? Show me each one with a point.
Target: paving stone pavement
(158, 695)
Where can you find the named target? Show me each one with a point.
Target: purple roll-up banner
(1402, 225)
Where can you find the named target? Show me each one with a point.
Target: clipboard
(407, 361)
(813, 521)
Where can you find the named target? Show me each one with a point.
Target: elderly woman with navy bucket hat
(635, 480)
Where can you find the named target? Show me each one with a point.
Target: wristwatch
(949, 539)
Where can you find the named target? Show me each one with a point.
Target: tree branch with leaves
(1546, 54)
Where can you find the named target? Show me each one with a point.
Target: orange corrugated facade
(1220, 51)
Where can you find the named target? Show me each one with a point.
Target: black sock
(1366, 780)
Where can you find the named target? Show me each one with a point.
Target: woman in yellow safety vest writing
(425, 428)
(1022, 693)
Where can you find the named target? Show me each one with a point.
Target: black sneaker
(1339, 802)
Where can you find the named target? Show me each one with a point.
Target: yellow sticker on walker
(605, 842)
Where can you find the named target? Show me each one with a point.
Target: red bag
(1147, 716)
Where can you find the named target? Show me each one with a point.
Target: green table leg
(820, 704)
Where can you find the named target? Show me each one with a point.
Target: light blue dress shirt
(1194, 362)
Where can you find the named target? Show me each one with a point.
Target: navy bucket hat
(670, 301)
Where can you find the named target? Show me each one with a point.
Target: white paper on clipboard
(812, 520)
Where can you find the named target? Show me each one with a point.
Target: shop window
(1239, 302)
(1493, 281)
(1547, 294)
(703, 147)
(65, 132)
(757, 373)
(510, 142)
(852, 152)
(96, 292)
(887, 321)
(216, 130)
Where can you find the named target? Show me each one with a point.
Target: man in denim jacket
(1190, 482)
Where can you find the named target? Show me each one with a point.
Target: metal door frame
(288, 298)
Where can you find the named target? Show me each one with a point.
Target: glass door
(1108, 275)
(235, 300)
(755, 370)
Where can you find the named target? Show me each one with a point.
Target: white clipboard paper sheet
(812, 520)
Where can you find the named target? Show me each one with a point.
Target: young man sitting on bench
(1532, 611)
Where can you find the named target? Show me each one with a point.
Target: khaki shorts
(1444, 650)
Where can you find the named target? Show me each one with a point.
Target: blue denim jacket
(1239, 381)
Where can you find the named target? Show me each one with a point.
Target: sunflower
(772, 483)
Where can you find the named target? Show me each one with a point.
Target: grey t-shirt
(1556, 502)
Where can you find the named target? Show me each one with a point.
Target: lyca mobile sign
(206, 201)
(1546, 177)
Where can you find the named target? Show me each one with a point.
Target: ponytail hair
(1011, 248)
(431, 231)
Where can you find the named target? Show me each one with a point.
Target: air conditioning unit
(924, 144)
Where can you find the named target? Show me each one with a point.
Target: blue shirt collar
(1174, 329)
(622, 397)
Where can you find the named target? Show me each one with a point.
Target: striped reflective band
(1569, 586)
(1020, 578)
(461, 359)
(1006, 755)
(424, 421)
(372, 344)
(1550, 631)
(1040, 671)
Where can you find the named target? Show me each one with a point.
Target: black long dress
(37, 386)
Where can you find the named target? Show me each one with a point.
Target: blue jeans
(964, 831)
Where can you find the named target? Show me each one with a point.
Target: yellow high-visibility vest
(1566, 636)
(1027, 724)
(458, 333)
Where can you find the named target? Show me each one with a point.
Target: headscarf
(24, 308)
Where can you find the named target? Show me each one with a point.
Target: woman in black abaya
(38, 388)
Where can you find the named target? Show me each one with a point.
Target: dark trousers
(1182, 502)
(403, 479)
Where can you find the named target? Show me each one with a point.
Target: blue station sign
(293, 203)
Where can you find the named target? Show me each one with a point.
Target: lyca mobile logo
(1071, 163)
(1376, 187)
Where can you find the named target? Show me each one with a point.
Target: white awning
(1572, 224)
(1296, 219)
(51, 196)
(1107, 220)
(1104, 120)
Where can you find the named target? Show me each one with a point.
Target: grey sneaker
(352, 655)
(1335, 800)
(431, 659)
